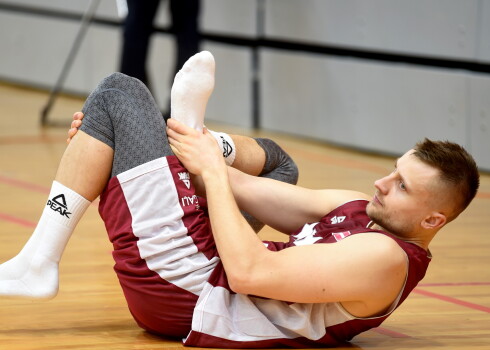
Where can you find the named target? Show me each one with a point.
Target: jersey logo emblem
(185, 178)
(337, 219)
(341, 235)
(307, 235)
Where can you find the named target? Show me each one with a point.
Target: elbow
(247, 275)
(250, 276)
(239, 282)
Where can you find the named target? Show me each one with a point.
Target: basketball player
(350, 261)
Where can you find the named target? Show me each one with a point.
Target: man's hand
(75, 124)
(196, 150)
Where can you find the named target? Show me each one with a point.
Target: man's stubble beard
(381, 219)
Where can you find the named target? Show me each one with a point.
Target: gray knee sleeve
(122, 109)
(278, 166)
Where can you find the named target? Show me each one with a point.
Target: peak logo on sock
(227, 149)
(58, 204)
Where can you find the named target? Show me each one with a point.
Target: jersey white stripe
(156, 213)
(244, 318)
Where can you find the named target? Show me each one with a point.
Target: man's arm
(365, 280)
(282, 206)
(363, 272)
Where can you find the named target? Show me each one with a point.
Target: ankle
(226, 145)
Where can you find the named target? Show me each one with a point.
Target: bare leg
(250, 157)
(83, 172)
(86, 166)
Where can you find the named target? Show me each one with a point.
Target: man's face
(405, 197)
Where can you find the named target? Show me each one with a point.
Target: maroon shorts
(163, 246)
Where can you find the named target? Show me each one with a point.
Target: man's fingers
(78, 116)
(175, 150)
(76, 123)
(71, 133)
(174, 140)
(172, 135)
(180, 128)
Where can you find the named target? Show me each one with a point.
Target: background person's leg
(137, 30)
(185, 25)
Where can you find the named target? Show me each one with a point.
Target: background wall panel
(444, 28)
(359, 99)
(479, 115)
(236, 17)
(362, 104)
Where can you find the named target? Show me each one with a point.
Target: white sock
(226, 145)
(33, 273)
(191, 90)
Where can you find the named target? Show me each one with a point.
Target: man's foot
(33, 273)
(29, 277)
(191, 90)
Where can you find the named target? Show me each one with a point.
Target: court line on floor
(452, 300)
(30, 139)
(455, 284)
(16, 220)
(30, 186)
(24, 184)
(390, 333)
(347, 163)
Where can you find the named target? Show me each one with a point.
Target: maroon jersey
(175, 284)
(225, 319)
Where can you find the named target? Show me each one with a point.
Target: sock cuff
(65, 206)
(226, 144)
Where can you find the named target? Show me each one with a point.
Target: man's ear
(435, 220)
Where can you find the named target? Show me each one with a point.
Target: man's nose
(382, 184)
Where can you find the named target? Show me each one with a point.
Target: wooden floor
(450, 308)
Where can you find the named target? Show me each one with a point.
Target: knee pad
(278, 164)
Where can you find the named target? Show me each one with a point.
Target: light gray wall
(379, 106)
(359, 103)
(446, 28)
(372, 105)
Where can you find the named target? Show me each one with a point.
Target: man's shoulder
(378, 245)
(381, 268)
